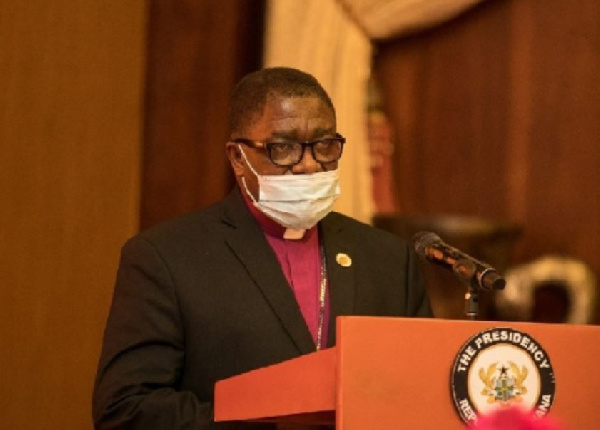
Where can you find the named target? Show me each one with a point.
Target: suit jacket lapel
(340, 275)
(250, 246)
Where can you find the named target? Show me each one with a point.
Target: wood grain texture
(70, 85)
(197, 51)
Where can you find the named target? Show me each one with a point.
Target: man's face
(283, 118)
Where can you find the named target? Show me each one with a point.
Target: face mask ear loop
(247, 162)
(244, 179)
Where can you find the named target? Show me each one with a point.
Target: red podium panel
(387, 372)
(299, 390)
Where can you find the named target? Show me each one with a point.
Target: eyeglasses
(290, 153)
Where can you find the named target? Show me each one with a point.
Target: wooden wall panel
(70, 84)
(563, 189)
(496, 115)
(449, 102)
(197, 51)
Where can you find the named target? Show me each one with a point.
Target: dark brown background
(496, 114)
(197, 51)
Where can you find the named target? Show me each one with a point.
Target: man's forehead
(294, 106)
(294, 116)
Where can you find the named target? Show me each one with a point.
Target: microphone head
(423, 239)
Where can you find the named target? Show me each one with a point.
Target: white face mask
(295, 201)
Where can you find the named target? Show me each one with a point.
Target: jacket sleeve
(143, 352)
(417, 301)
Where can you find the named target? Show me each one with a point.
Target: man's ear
(235, 158)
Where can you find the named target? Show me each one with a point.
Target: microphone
(480, 275)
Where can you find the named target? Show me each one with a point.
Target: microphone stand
(465, 271)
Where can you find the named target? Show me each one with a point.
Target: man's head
(255, 89)
(278, 105)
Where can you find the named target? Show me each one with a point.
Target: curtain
(332, 40)
(318, 37)
(383, 19)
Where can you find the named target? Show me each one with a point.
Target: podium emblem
(501, 367)
(505, 384)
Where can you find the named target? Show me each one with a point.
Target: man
(253, 280)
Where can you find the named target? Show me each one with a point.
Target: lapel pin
(343, 260)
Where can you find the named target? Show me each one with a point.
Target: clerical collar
(272, 228)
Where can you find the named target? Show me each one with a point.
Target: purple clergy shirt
(300, 260)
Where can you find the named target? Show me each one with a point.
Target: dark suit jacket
(203, 297)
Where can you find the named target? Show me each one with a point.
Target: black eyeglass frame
(268, 146)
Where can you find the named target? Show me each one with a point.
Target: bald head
(254, 90)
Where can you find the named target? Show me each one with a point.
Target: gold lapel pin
(343, 260)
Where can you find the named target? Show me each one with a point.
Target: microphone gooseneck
(477, 274)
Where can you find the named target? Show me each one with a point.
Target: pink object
(514, 419)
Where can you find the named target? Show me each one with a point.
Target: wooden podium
(390, 373)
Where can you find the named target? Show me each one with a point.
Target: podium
(389, 373)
